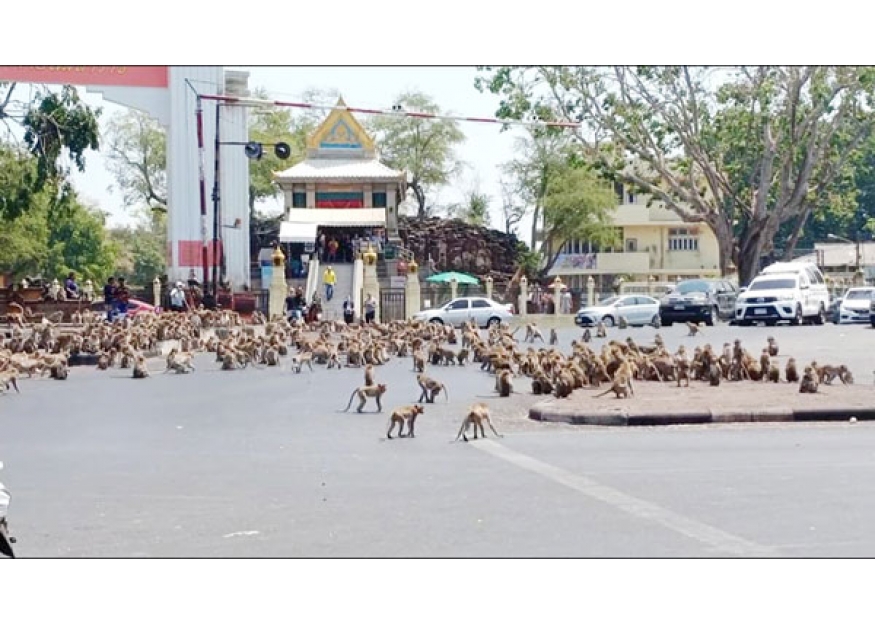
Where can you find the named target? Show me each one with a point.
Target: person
(348, 311)
(321, 248)
(370, 308)
(332, 250)
(109, 297)
(122, 296)
(177, 298)
(71, 289)
(565, 298)
(295, 303)
(329, 279)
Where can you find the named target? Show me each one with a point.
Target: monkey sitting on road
(376, 391)
(601, 330)
(369, 375)
(141, 371)
(694, 328)
(554, 338)
(180, 362)
(714, 374)
(587, 336)
(58, 371)
(462, 356)
(477, 416)
(622, 323)
(419, 362)
(809, 381)
(399, 416)
(791, 372)
(430, 388)
(504, 383)
(772, 346)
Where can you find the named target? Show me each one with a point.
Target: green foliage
(18, 172)
(529, 260)
(422, 147)
(142, 249)
(474, 210)
(136, 156)
(744, 150)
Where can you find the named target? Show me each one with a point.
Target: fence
(392, 305)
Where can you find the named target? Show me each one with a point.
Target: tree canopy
(423, 147)
(136, 156)
(744, 150)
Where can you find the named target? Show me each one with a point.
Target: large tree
(421, 146)
(512, 208)
(142, 248)
(741, 149)
(136, 156)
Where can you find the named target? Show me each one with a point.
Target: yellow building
(655, 242)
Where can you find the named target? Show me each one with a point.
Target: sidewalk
(732, 402)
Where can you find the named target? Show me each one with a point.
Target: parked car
(775, 297)
(638, 310)
(485, 312)
(698, 300)
(816, 291)
(853, 306)
(135, 307)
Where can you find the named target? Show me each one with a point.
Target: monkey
(809, 381)
(430, 389)
(369, 375)
(141, 371)
(376, 391)
(827, 373)
(620, 386)
(271, 357)
(790, 371)
(587, 336)
(601, 330)
(180, 362)
(299, 360)
(103, 362)
(554, 338)
(682, 371)
(772, 346)
(627, 372)
(774, 374)
(622, 323)
(714, 374)
(58, 371)
(532, 333)
(765, 364)
(695, 328)
(8, 380)
(228, 362)
(462, 356)
(504, 383)
(125, 362)
(477, 415)
(419, 362)
(399, 416)
(334, 362)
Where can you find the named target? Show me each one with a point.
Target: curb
(621, 417)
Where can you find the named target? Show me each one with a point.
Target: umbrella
(447, 277)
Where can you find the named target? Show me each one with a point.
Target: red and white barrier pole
(199, 112)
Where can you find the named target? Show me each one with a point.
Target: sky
(485, 148)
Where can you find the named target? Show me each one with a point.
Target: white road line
(702, 532)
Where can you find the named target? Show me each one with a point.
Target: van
(790, 296)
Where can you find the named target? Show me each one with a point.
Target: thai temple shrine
(341, 189)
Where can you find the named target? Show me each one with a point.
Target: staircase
(333, 310)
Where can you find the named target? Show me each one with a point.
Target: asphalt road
(265, 463)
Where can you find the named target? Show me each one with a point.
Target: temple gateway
(341, 189)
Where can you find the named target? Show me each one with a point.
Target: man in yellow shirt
(329, 279)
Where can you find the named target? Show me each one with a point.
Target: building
(341, 187)
(655, 242)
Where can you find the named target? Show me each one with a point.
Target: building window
(683, 240)
(631, 245)
(630, 198)
(618, 191)
(299, 200)
(380, 199)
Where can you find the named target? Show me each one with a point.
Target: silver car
(485, 312)
(638, 310)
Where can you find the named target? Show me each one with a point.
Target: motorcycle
(6, 541)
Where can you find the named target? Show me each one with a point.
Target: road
(265, 463)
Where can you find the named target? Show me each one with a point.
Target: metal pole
(199, 111)
(216, 208)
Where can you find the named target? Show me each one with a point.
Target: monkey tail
(349, 405)
(14, 384)
(605, 393)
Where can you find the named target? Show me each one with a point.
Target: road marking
(702, 532)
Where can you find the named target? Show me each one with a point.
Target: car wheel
(656, 322)
(797, 319)
(820, 319)
(744, 323)
(436, 320)
(711, 319)
(667, 324)
(608, 321)
(493, 322)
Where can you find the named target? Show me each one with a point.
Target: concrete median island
(658, 403)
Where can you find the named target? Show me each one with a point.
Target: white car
(485, 312)
(775, 297)
(638, 310)
(853, 307)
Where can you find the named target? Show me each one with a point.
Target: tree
(142, 248)
(54, 124)
(512, 210)
(475, 209)
(137, 158)
(423, 147)
(743, 150)
(577, 205)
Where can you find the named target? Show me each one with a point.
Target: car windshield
(774, 283)
(859, 295)
(694, 286)
(609, 301)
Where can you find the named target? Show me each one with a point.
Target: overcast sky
(485, 148)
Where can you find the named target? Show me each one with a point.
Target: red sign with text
(116, 75)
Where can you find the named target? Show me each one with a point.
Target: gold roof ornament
(412, 266)
(278, 257)
(370, 256)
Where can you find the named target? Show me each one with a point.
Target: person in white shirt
(177, 298)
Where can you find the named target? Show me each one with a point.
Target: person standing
(71, 289)
(348, 311)
(332, 250)
(329, 279)
(122, 296)
(177, 298)
(370, 306)
(109, 297)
